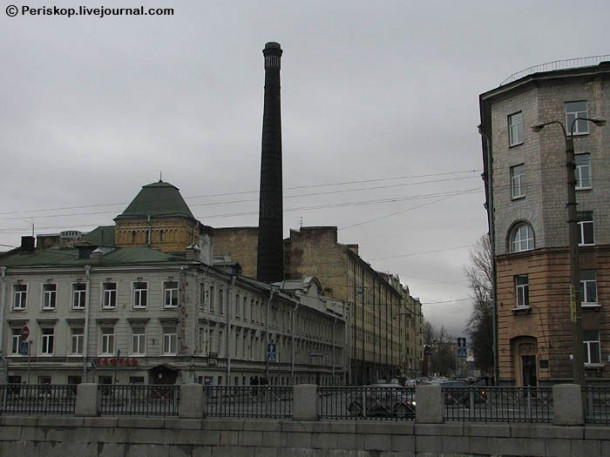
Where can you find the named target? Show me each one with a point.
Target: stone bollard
(191, 401)
(87, 400)
(305, 403)
(567, 405)
(429, 404)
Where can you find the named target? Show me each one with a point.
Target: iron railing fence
(37, 399)
(367, 402)
(138, 400)
(565, 64)
(249, 401)
(498, 404)
(597, 405)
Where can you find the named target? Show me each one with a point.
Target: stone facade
(385, 321)
(142, 308)
(532, 296)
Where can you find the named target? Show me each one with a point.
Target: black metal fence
(139, 400)
(249, 401)
(498, 404)
(37, 399)
(368, 402)
(381, 402)
(597, 405)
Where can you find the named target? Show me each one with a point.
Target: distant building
(525, 174)
(142, 302)
(385, 322)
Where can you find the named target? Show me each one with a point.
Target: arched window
(522, 238)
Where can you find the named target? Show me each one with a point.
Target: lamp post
(575, 306)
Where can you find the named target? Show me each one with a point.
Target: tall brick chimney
(270, 261)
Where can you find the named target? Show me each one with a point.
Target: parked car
(458, 392)
(384, 400)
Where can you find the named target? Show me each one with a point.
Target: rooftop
(157, 199)
(566, 64)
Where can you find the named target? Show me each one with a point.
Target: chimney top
(272, 44)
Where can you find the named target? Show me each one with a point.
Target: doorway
(528, 369)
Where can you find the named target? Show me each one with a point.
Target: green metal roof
(100, 236)
(66, 257)
(157, 199)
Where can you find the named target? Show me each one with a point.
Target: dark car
(389, 400)
(460, 392)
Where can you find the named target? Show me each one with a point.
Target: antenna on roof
(160, 175)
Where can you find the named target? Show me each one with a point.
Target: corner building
(144, 302)
(526, 187)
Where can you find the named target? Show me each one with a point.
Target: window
(245, 308)
(170, 292)
(47, 339)
(79, 295)
(522, 238)
(16, 341)
(138, 341)
(202, 295)
(77, 340)
(140, 294)
(515, 129)
(582, 172)
(522, 291)
(576, 110)
(162, 235)
(212, 299)
(591, 344)
(588, 287)
(109, 295)
(517, 181)
(585, 227)
(221, 301)
(21, 293)
(49, 296)
(237, 305)
(170, 341)
(107, 341)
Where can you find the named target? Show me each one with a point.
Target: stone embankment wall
(192, 435)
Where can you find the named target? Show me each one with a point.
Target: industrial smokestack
(270, 261)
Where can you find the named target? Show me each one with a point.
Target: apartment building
(527, 192)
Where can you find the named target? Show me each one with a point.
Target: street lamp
(575, 306)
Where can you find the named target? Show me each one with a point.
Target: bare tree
(440, 343)
(480, 325)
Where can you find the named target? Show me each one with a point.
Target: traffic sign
(271, 352)
(25, 332)
(461, 342)
(462, 352)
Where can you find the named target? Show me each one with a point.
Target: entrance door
(528, 365)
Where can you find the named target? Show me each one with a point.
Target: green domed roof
(157, 199)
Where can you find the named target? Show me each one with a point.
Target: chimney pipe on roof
(27, 243)
(270, 260)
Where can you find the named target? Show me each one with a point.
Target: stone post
(87, 400)
(567, 405)
(429, 405)
(191, 401)
(305, 406)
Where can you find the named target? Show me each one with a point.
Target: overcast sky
(379, 113)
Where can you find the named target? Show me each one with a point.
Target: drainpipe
(87, 313)
(2, 306)
(228, 326)
(148, 231)
(333, 349)
(271, 293)
(294, 312)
